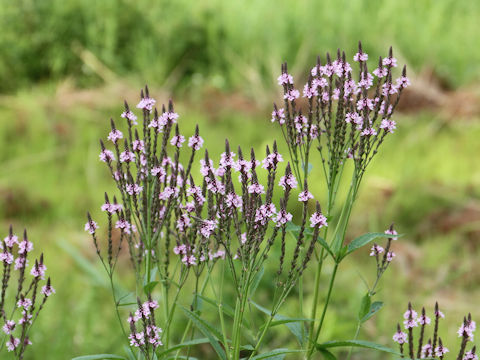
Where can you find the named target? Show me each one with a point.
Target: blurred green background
(66, 66)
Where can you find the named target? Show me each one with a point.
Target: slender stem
(262, 335)
(116, 306)
(322, 318)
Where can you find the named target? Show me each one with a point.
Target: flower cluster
(350, 118)
(29, 295)
(433, 348)
(144, 334)
(384, 261)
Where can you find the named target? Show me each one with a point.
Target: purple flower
(25, 246)
(21, 262)
(380, 72)
(304, 196)
(470, 355)
(195, 142)
(189, 260)
(8, 327)
(427, 351)
(441, 350)
(125, 226)
(309, 91)
(318, 219)
(278, 115)
(368, 132)
(424, 320)
(12, 343)
(376, 249)
(233, 200)
(292, 94)
(207, 227)
(285, 79)
(138, 145)
(127, 156)
(48, 290)
(390, 256)
(129, 116)
(133, 189)
(25, 303)
(6, 257)
(410, 317)
(400, 337)
(168, 118)
(467, 329)
(282, 217)
(91, 226)
(388, 125)
(106, 156)
(115, 135)
(146, 104)
(256, 189)
(360, 56)
(288, 181)
(38, 270)
(177, 141)
(10, 240)
(389, 61)
(402, 82)
(183, 222)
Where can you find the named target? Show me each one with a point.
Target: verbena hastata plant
(432, 347)
(179, 227)
(200, 242)
(24, 293)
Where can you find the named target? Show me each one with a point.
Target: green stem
(116, 306)
(322, 318)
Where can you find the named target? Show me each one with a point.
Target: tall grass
(233, 44)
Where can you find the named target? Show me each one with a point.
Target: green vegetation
(221, 59)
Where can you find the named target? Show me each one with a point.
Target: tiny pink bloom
(285, 79)
(115, 135)
(400, 337)
(91, 226)
(278, 115)
(146, 104)
(318, 219)
(177, 141)
(292, 94)
(129, 116)
(304, 196)
(376, 249)
(106, 156)
(48, 290)
(390, 256)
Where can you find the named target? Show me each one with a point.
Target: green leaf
(327, 355)
(276, 354)
(364, 306)
(295, 327)
(99, 357)
(208, 330)
(286, 320)
(374, 307)
(324, 244)
(357, 343)
(148, 288)
(227, 309)
(183, 345)
(364, 239)
(256, 281)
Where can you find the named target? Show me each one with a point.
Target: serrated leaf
(374, 308)
(357, 343)
(276, 354)
(99, 357)
(364, 306)
(208, 330)
(364, 239)
(183, 345)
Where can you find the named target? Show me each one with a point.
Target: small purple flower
(133, 189)
(115, 135)
(12, 343)
(25, 303)
(25, 246)
(91, 226)
(168, 118)
(470, 355)
(177, 141)
(138, 145)
(38, 270)
(106, 156)
(400, 337)
(285, 79)
(380, 72)
(288, 181)
(424, 320)
(207, 227)
(6, 257)
(48, 290)
(189, 260)
(376, 250)
(278, 115)
(146, 104)
(441, 350)
(467, 329)
(390, 256)
(368, 132)
(8, 327)
(127, 156)
(304, 196)
(195, 142)
(292, 94)
(256, 189)
(282, 217)
(183, 222)
(233, 200)
(427, 351)
(360, 56)
(402, 82)
(125, 226)
(389, 61)
(388, 125)
(318, 219)
(10, 240)
(129, 116)
(21, 262)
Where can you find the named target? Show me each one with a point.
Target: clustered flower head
(30, 291)
(433, 348)
(348, 114)
(144, 333)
